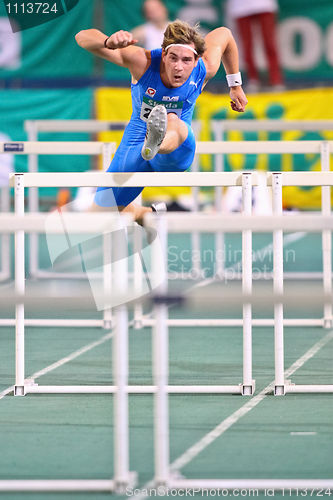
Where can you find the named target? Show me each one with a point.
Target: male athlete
(166, 83)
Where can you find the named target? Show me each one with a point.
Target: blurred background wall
(45, 75)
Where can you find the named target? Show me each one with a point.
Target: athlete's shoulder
(201, 65)
(200, 70)
(155, 57)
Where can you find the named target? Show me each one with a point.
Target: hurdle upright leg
(122, 476)
(33, 203)
(138, 276)
(161, 360)
(248, 383)
(196, 270)
(19, 289)
(107, 280)
(217, 127)
(326, 236)
(278, 287)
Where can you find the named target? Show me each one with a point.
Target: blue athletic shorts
(128, 159)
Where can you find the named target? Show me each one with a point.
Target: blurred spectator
(7, 163)
(6, 168)
(250, 15)
(150, 34)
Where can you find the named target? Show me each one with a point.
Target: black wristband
(105, 41)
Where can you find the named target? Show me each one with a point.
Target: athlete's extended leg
(127, 159)
(176, 134)
(165, 133)
(137, 211)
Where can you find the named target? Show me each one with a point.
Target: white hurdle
(20, 223)
(278, 287)
(219, 129)
(122, 476)
(211, 179)
(164, 476)
(33, 148)
(34, 128)
(20, 181)
(248, 383)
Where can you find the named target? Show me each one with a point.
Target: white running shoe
(156, 130)
(159, 207)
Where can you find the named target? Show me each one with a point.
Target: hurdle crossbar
(54, 148)
(33, 127)
(285, 485)
(221, 126)
(208, 179)
(259, 147)
(204, 223)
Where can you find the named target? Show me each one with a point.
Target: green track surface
(71, 436)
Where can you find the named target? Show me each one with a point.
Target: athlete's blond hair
(182, 32)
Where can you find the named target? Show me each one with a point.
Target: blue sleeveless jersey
(147, 93)
(150, 91)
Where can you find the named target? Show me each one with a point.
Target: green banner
(43, 44)
(306, 39)
(19, 105)
(46, 50)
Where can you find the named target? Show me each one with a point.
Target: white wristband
(234, 80)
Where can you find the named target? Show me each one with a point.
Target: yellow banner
(310, 104)
(115, 104)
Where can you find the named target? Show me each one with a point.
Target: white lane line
(6, 391)
(72, 356)
(301, 433)
(228, 422)
(62, 361)
(220, 429)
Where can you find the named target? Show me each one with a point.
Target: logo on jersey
(150, 91)
(168, 98)
(194, 83)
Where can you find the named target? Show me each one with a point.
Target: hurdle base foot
(279, 390)
(19, 390)
(121, 486)
(108, 325)
(248, 390)
(138, 324)
(220, 275)
(328, 323)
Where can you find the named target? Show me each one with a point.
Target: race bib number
(148, 104)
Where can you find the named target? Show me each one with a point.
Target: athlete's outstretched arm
(118, 48)
(221, 47)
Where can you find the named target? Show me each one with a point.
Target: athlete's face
(178, 65)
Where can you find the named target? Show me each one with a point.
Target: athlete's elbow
(87, 38)
(79, 38)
